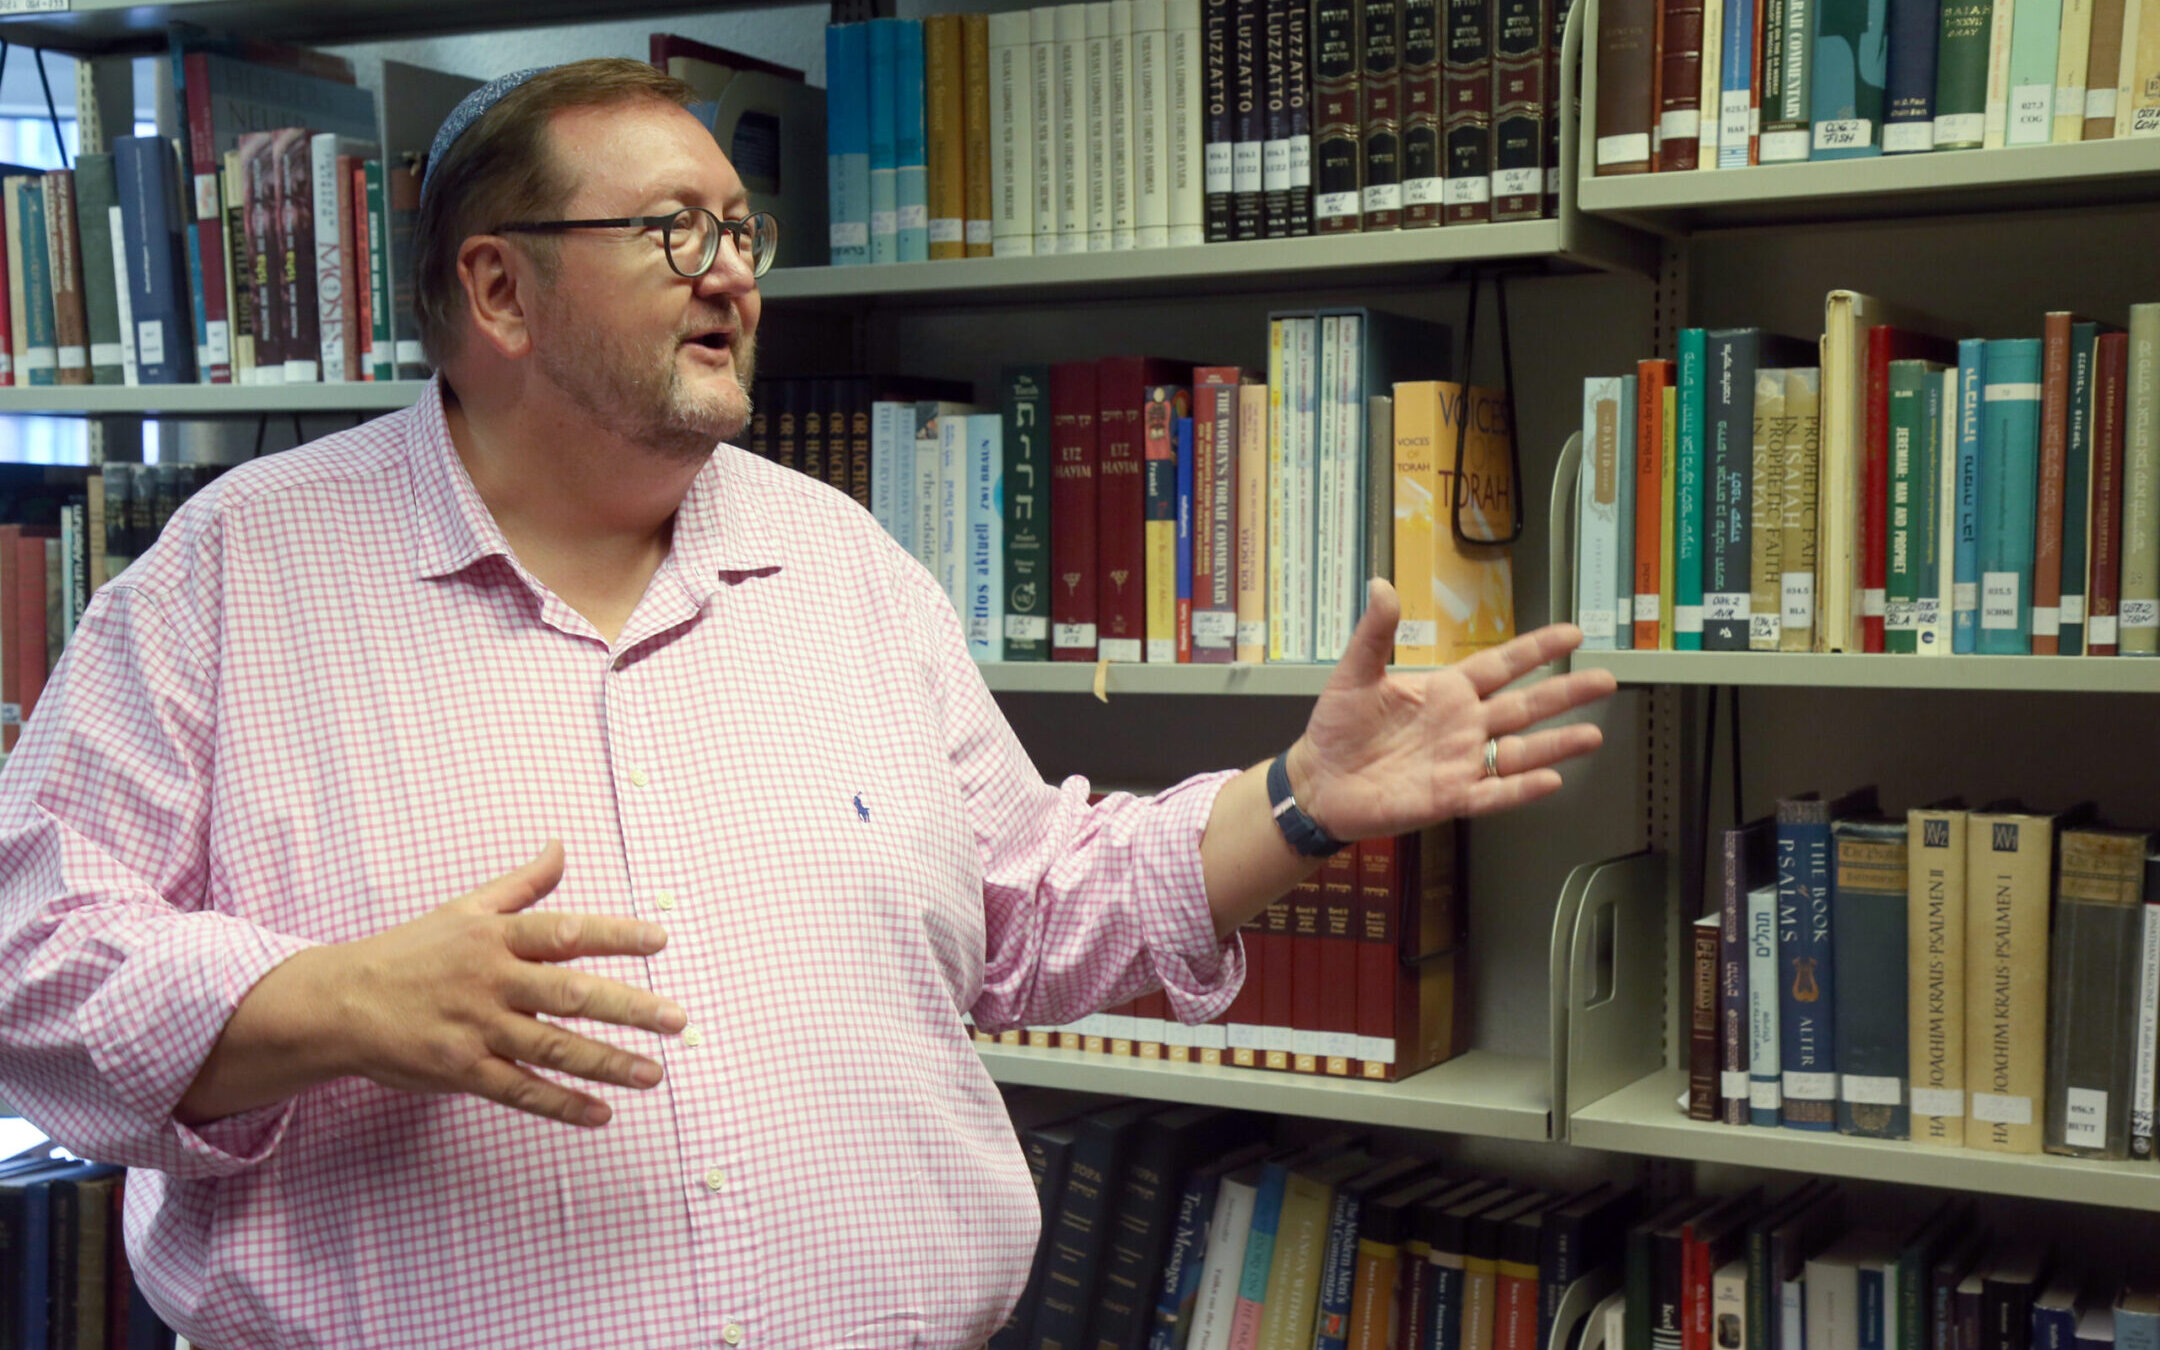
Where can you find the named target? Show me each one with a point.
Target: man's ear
(496, 279)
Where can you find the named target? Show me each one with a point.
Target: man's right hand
(452, 1001)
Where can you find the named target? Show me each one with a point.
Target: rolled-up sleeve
(1086, 904)
(116, 980)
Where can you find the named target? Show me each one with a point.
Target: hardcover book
(1868, 931)
(1935, 972)
(2092, 984)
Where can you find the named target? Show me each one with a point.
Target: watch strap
(1300, 831)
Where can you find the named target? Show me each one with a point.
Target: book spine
(1963, 37)
(1120, 509)
(1027, 513)
(2009, 470)
(1520, 98)
(2071, 65)
(1159, 464)
(1185, 427)
(1380, 88)
(1424, 167)
(1868, 934)
(1846, 93)
(1901, 626)
(945, 101)
(1467, 110)
(2077, 488)
(1189, 166)
(1275, 120)
(1965, 544)
(1730, 426)
(1807, 991)
(1788, 60)
(1626, 81)
(1651, 378)
(1151, 124)
(1555, 42)
(2009, 859)
(1215, 516)
(71, 322)
(2145, 1043)
(1298, 98)
(1689, 478)
(1802, 463)
(985, 536)
(1338, 151)
(1766, 514)
(1597, 551)
(2110, 375)
(1099, 193)
(1909, 77)
(1704, 1088)
(1248, 115)
(1380, 897)
(1739, 86)
(2093, 955)
(883, 85)
(1012, 139)
(2034, 51)
(40, 356)
(1995, 128)
(1732, 983)
(2138, 610)
(2048, 518)
(327, 259)
(1766, 1080)
(1680, 56)
(1249, 563)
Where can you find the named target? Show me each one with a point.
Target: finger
(566, 937)
(1497, 667)
(557, 991)
(543, 1045)
(523, 886)
(1517, 755)
(1505, 794)
(1511, 710)
(513, 1085)
(1365, 660)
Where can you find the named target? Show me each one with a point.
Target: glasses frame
(739, 227)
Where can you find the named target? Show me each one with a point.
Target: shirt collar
(719, 532)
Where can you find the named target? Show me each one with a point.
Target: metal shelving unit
(1856, 670)
(208, 400)
(1481, 1092)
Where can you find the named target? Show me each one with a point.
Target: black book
(1248, 115)
(2020, 1271)
(1072, 1261)
(1735, 354)
(1380, 81)
(1165, 1148)
(1641, 1266)
(1338, 146)
(1298, 100)
(1275, 117)
(1581, 1233)
(1046, 1131)
(1218, 79)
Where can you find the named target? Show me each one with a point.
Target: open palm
(1389, 753)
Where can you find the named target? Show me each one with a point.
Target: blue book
(911, 155)
(1871, 1305)
(2137, 1318)
(1846, 80)
(847, 141)
(1868, 936)
(884, 87)
(149, 211)
(1338, 1273)
(1260, 1242)
(1965, 540)
(1807, 976)
(1736, 78)
(1624, 569)
(1689, 478)
(41, 353)
(1185, 1259)
(2009, 483)
(26, 1219)
(1184, 535)
(2077, 488)
(1909, 85)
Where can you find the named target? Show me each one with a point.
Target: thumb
(1365, 660)
(523, 887)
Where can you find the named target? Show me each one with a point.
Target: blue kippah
(471, 109)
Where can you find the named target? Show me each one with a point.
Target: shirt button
(638, 778)
(692, 1037)
(731, 1333)
(666, 899)
(715, 1179)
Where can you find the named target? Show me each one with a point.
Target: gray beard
(645, 402)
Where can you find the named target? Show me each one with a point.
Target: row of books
(52, 562)
(1362, 971)
(1800, 1272)
(1722, 84)
(1887, 489)
(1121, 124)
(65, 1280)
(1136, 508)
(1170, 1227)
(1984, 979)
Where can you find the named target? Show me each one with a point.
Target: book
(847, 141)
(1869, 904)
(1734, 356)
(1076, 1238)
(1652, 378)
(1689, 478)
(1187, 1249)
(1846, 81)
(1747, 864)
(1457, 597)
(2138, 608)
(1909, 77)
(1352, 1258)
(1913, 618)
(64, 264)
(2009, 472)
(2111, 353)
(1704, 1092)
(1626, 87)
(149, 206)
(1807, 994)
(1935, 972)
(1248, 95)
(1163, 1149)
(1798, 509)
(1766, 514)
(1025, 400)
(2077, 486)
(2094, 952)
(1301, 1238)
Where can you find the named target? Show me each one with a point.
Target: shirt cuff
(1200, 972)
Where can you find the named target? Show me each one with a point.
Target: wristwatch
(1301, 831)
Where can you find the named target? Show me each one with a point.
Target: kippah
(469, 110)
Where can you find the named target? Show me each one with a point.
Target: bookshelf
(209, 400)
(1875, 670)
(107, 26)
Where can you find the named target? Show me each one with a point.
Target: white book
(2137, 110)
(1597, 513)
(1228, 1228)
(1276, 543)
(1766, 1083)
(925, 486)
(2148, 1035)
(1151, 124)
(1300, 429)
(1124, 173)
(1102, 164)
(985, 538)
(338, 348)
(2072, 61)
(885, 475)
(1044, 105)
(1327, 485)
(1071, 113)
(1996, 128)
(1728, 1295)
(1012, 136)
(1342, 466)
(2034, 60)
(1184, 166)
(952, 505)
(130, 372)
(1792, 1312)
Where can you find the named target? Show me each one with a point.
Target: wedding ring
(1492, 758)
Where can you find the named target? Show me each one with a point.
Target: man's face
(661, 359)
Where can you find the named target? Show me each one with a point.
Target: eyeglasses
(692, 238)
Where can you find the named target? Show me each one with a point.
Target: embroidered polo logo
(861, 812)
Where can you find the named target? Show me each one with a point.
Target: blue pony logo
(861, 812)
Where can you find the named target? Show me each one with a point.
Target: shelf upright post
(105, 108)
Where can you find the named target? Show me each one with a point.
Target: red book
(1073, 402)
(2048, 497)
(205, 212)
(1884, 345)
(1339, 963)
(1652, 379)
(29, 637)
(1378, 915)
(1152, 1009)
(1243, 1017)
(1275, 986)
(7, 328)
(362, 250)
(1308, 974)
(2111, 374)
(1121, 389)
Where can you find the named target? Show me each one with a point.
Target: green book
(2139, 614)
(383, 352)
(1688, 485)
(97, 191)
(2035, 39)
(2077, 489)
(1961, 67)
(1788, 69)
(1913, 602)
(1845, 84)
(1026, 406)
(41, 354)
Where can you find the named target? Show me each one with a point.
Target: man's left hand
(1390, 753)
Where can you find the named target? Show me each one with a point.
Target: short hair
(503, 168)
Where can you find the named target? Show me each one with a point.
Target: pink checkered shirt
(330, 700)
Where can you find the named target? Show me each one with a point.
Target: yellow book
(1251, 542)
(1158, 425)
(975, 119)
(1935, 973)
(1766, 552)
(1456, 598)
(2009, 871)
(1797, 506)
(1301, 1237)
(945, 135)
(1667, 520)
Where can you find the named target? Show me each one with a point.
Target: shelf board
(2047, 674)
(1480, 1093)
(208, 400)
(1276, 266)
(1641, 1118)
(1078, 677)
(99, 26)
(2015, 178)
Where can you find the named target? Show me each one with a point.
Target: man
(788, 838)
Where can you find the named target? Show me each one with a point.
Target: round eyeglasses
(691, 237)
